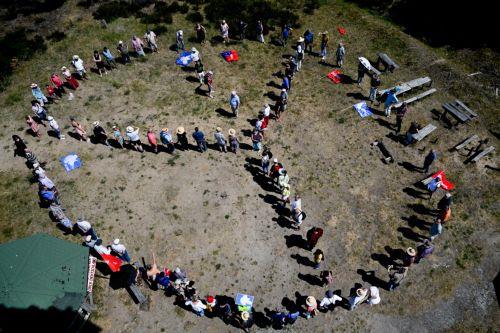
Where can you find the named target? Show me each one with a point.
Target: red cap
(210, 299)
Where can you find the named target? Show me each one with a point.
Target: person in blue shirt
(285, 33)
(429, 159)
(433, 186)
(234, 102)
(286, 83)
(308, 40)
(199, 137)
(38, 94)
(108, 56)
(390, 100)
(166, 139)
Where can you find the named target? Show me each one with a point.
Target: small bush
(110, 11)
(194, 17)
(56, 36)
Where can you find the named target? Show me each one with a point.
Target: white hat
(283, 90)
(310, 301)
(233, 92)
(49, 118)
(34, 85)
(63, 68)
(75, 57)
(88, 238)
(210, 72)
(245, 315)
(130, 129)
(95, 123)
(120, 42)
(116, 241)
(194, 49)
(301, 39)
(218, 129)
(275, 160)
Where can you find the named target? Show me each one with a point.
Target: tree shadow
(224, 113)
(371, 278)
(301, 260)
(296, 240)
(410, 234)
(311, 279)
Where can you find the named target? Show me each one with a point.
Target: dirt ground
(213, 213)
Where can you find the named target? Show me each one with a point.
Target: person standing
(58, 82)
(39, 111)
(152, 140)
(166, 140)
(374, 85)
(324, 44)
(150, 37)
(308, 40)
(266, 160)
(326, 278)
(424, 250)
(123, 50)
(70, 80)
(233, 141)
(400, 114)
(311, 307)
(281, 104)
(412, 130)
(260, 32)
(85, 228)
(197, 306)
(266, 112)
(220, 139)
(199, 137)
(318, 258)
(373, 296)
(234, 102)
(313, 235)
(33, 125)
(138, 46)
(436, 229)
(77, 62)
(224, 31)
(286, 84)
(201, 33)
(329, 300)
(285, 33)
(21, 146)
(134, 138)
(299, 53)
(390, 99)
(55, 127)
(209, 76)
(340, 54)
(243, 28)
(358, 298)
(200, 71)
(396, 276)
(285, 195)
(409, 257)
(256, 140)
(79, 130)
(182, 140)
(283, 179)
(99, 63)
(275, 168)
(100, 134)
(179, 40)
(361, 73)
(120, 250)
(433, 186)
(429, 159)
(38, 94)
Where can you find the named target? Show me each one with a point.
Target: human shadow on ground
(371, 278)
(346, 79)
(246, 132)
(358, 96)
(414, 222)
(397, 138)
(415, 193)
(301, 260)
(410, 234)
(410, 167)
(272, 95)
(273, 84)
(384, 123)
(311, 279)
(421, 209)
(284, 222)
(390, 258)
(262, 180)
(224, 113)
(295, 240)
(192, 79)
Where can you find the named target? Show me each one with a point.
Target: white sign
(91, 273)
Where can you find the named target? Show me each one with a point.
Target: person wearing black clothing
(243, 28)
(400, 113)
(100, 134)
(374, 85)
(445, 202)
(182, 140)
(20, 146)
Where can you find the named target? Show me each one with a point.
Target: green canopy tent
(47, 274)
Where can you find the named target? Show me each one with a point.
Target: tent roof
(43, 271)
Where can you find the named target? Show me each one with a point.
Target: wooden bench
(483, 154)
(424, 132)
(407, 86)
(416, 98)
(459, 111)
(466, 142)
(389, 64)
(136, 293)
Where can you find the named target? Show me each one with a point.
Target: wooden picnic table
(407, 86)
(483, 153)
(424, 132)
(418, 97)
(466, 142)
(389, 64)
(459, 111)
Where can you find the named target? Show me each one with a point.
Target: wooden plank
(427, 180)
(376, 71)
(424, 132)
(483, 153)
(139, 297)
(406, 86)
(465, 108)
(416, 98)
(419, 82)
(466, 141)
(388, 62)
(455, 112)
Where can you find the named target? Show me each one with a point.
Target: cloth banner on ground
(113, 262)
(363, 109)
(71, 162)
(335, 76)
(244, 300)
(230, 56)
(445, 183)
(341, 31)
(184, 59)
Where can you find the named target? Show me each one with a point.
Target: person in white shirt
(45, 181)
(150, 37)
(195, 55)
(329, 299)
(38, 170)
(79, 66)
(197, 306)
(374, 296)
(179, 37)
(55, 127)
(85, 228)
(300, 53)
(96, 244)
(360, 297)
(120, 250)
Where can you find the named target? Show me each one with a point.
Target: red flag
(335, 76)
(113, 262)
(446, 184)
(341, 31)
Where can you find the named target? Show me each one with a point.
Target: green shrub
(110, 11)
(56, 36)
(194, 17)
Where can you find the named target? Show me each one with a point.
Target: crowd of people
(176, 281)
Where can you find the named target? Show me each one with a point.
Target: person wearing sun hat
(166, 140)
(182, 140)
(123, 50)
(70, 80)
(410, 257)
(55, 127)
(358, 298)
(220, 139)
(340, 54)
(234, 103)
(324, 43)
(134, 139)
(100, 134)
(329, 299)
(234, 143)
(396, 276)
(245, 321)
(311, 307)
(96, 244)
(38, 94)
(120, 250)
(117, 135)
(77, 62)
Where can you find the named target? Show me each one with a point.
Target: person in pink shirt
(152, 140)
(33, 126)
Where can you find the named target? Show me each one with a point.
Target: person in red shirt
(152, 140)
(52, 93)
(58, 83)
(275, 169)
(313, 236)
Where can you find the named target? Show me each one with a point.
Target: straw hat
(88, 238)
(245, 315)
(34, 85)
(75, 57)
(95, 123)
(180, 130)
(411, 252)
(164, 129)
(115, 127)
(210, 72)
(194, 49)
(361, 292)
(301, 39)
(63, 68)
(283, 90)
(129, 129)
(310, 301)
(231, 131)
(218, 129)
(116, 241)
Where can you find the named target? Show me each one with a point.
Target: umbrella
(365, 63)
